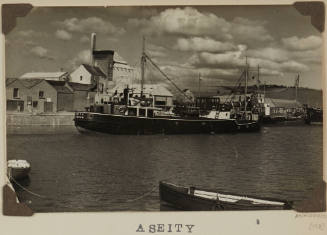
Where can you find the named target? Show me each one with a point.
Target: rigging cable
(174, 84)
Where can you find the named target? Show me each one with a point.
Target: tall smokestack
(93, 42)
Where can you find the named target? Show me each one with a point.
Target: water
(99, 172)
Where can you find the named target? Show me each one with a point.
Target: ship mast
(199, 84)
(297, 81)
(246, 82)
(143, 61)
(258, 81)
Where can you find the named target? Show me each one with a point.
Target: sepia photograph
(164, 108)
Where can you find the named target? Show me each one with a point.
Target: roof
(119, 59)
(29, 83)
(60, 86)
(118, 66)
(43, 75)
(282, 103)
(96, 71)
(81, 87)
(10, 80)
(103, 52)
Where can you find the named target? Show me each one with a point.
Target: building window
(41, 94)
(101, 87)
(34, 104)
(81, 78)
(142, 112)
(16, 93)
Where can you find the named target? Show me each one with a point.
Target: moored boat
(137, 114)
(150, 124)
(313, 116)
(194, 199)
(18, 169)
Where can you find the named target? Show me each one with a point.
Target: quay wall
(27, 119)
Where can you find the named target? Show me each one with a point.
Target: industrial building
(38, 95)
(84, 95)
(281, 108)
(87, 74)
(105, 70)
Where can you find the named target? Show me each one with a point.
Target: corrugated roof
(81, 87)
(96, 71)
(282, 103)
(119, 59)
(10, 80)
(29, 83)
(43, 75)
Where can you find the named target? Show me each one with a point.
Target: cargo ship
(143, 117)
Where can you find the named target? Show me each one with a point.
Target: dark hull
(18, 173)
(119, 124)
(283, 121)
(314, 116)
(179, 198)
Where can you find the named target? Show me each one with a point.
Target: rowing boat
(194, 199)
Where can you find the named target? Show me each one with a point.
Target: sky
(184, 41)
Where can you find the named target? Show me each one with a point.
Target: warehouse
(38, 95)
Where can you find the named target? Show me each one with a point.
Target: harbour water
(100, 172)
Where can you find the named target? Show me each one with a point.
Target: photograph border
(274, 222)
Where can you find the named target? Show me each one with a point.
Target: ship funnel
(93, 43)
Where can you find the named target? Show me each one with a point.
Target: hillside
(311, 97)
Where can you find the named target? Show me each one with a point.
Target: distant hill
(311, 97)
(308, 96)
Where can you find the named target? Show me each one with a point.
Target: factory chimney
(93, 42)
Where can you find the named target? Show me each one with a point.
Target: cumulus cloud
(236, 59)
(246, 30)
(84, 39)
(83, 57)
(63, 35)
(293, 66)
(189, 21)
(203, 44)
(41, 52)
(26, 33)
(230, 59)
(19, 42)
(307, 56)
(156, 51)
(90, 24)
(186, 21)
(296, 43)
(270, 53)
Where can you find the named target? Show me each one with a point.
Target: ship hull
(180, 198)
(119, 124)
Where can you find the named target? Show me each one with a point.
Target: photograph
(164, 108)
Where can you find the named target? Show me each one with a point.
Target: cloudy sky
(184, 41)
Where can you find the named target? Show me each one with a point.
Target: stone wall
(58, 119)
